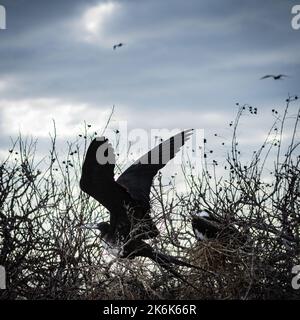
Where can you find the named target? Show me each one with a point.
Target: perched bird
(275, 77)
(119, 45)
(206, 226)
(128, 198)
(203, 226)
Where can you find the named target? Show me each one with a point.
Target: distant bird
(206, 226)
(128, 198)
(275, 77)
(119, 45)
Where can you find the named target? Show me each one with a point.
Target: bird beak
(90, 226)
(194, 214)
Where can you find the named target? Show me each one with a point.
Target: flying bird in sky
(128, 198)
(119, 45)
(275, 77)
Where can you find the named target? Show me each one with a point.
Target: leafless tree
(47, 257)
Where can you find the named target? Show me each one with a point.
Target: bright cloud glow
(35, 117)
(96, 19)
(2, 85)
(5, 84)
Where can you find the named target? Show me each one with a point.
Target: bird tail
(166, 262)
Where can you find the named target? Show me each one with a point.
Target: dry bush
(47, 257)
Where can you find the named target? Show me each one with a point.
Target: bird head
(103, 227)
(200, 214)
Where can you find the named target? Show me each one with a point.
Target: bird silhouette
(119, 45)
(275, 77)
(128, 199)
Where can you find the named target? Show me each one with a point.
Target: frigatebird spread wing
(275, 77)
(138, 178)
(267, 76)
(97, 180)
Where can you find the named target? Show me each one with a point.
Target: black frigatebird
(206, 226)
(275, 77)
(128, 198)
(119, 45)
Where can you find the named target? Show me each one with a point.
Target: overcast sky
(184, 64)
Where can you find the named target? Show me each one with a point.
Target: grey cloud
(193, 56)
